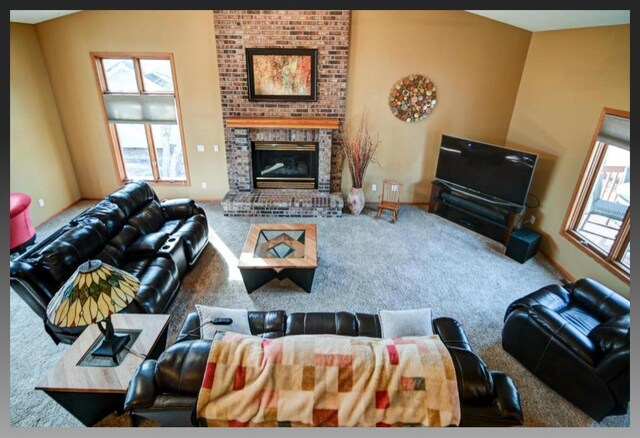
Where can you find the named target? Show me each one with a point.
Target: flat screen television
(488, 170)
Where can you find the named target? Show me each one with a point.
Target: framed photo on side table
(288, 75)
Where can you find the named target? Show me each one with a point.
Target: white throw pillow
(239, 317)
(399, 323)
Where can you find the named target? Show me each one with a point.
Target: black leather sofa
(575, 338)
(130, 229)
(166, 389)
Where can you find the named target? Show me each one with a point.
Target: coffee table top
(67, 376)
(280, 246)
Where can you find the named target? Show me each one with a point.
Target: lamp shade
(92, 294)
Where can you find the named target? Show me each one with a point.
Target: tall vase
(355, 200)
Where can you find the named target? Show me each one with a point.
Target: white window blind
(616, 131)
(126, 108)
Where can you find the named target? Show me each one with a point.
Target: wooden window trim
(152, 153)
(595, 157)
(116, 151)
(138, 72)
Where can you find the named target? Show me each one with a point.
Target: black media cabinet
(496, 221)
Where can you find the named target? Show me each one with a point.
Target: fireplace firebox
(285, 165)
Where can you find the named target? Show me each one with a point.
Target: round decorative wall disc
(412, 98)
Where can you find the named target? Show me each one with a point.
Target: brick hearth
(282, 203)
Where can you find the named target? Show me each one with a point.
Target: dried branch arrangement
(359, 150)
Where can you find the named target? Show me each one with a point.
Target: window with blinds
(598, 219)
(141, 107)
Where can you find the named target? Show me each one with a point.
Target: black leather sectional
(166, 389)
(576, 339)
(130, 229)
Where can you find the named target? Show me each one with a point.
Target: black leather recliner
(129, 229)
(166, 389)
(575, 338)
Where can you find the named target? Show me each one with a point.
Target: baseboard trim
(62, 210)
(402, 203)
(100, 199)
(559, 267)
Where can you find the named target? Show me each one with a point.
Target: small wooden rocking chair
(390, 199)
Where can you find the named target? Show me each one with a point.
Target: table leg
(255, 278)
(301, 277)
(87, 407)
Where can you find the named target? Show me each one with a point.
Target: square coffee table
(90, 388)
(279, 251)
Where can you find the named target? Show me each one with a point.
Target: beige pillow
(400, 323)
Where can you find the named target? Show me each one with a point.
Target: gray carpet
(365, 265)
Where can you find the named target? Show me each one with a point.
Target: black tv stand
(495, 220)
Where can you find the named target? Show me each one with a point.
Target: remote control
(222, 321)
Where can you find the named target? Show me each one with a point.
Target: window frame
(612, 261)
(116, 150)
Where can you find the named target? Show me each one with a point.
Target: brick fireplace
(247, 197)
(248, 123)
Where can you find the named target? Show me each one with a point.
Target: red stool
(22, 233)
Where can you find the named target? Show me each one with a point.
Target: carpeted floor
(364, 265)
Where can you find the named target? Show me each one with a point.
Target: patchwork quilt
(328, 380)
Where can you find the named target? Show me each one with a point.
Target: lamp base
(111, 347)
(112, 344)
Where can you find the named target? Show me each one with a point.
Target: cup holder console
(173, 248)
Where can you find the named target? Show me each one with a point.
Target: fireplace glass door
(285, 165)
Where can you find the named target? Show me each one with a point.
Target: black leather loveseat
(575, 338)
(130, 229)
(166, 389)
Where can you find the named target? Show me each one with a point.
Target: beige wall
(40, 162)
(189, 35)
(569, 77)
(475, 64)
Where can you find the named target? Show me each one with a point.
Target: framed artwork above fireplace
(288, 75)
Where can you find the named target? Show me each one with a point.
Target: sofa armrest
(598, 299)
(451, 333)
(147, 245)
(475, 384)
(613, 364)
(615, 370)
(199, 210)
(35, 286)
(562, 330)
(507, 398)
(181, 208)
(181, 367)
(505, 410)
(190, 330)
(142, 387)
(553, 296)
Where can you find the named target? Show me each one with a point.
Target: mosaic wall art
(412, 98)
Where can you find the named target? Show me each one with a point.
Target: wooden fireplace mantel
(283, 122)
